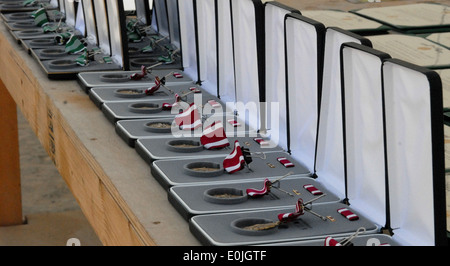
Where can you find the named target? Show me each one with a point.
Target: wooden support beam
(10, 189)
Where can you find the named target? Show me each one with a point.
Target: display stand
(116, 111)
(37, 33)
(139, 129)
(85, 23)
(166, 93)
(187, 71)
(214, 198)
(152, 149)
(168, 43)
(110, 55)
(176, 172)
(10, 6)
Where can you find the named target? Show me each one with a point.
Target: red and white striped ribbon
(331, 242)
(139, 76)
(189, 119)
(177, 75)
(154, 88)
(214, 104)
(233, 122)
(289, 217)
(261, 142)
(257, 193)
(313, 190)
(348, 214)
(195, 90)
(235, 161)
(284, 161)
(167, 106)
(214, 137)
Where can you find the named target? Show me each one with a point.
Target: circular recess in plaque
(114, 77)
(184, 146)
(24, 24)
(31, 32)
(129, 93)
(133, 51)
(12, 6)
(254, 226)
(42, 42)
(57, 52)
(158, 127)
(145, 108)
(225, 196)
(62, 64)
(20, 15)
(138, 62)
(203, 169)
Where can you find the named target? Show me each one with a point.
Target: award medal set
(351, 154)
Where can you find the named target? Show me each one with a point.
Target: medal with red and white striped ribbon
(214, 137)
(235, 161)
(289, 217)
(155, 88)
(139, 76)
(331, 242)
(189, 119)
(257, 193)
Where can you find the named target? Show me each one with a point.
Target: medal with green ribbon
(29, 3)
(40, 17)
(74, 45)
(83, 60)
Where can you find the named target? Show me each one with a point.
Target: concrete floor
(52, 215)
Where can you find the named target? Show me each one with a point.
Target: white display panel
(115, 24)
(207, 46)
(160, 15)
(89, 17)
(226, 75)
(70, 12)
(102, 26)
(412, 176)
(80, 23)
(188, 38)
(330, 154)
(246, 61)
(275, 116)
(364, 131)
(302, 60)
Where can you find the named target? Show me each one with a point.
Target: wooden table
(112, 184)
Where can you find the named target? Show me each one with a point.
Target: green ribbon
(107, 60)
(50, 28)
(135, 36)
(147, 49)
(133, 32)
(62, 38)
(74, 45)
(165, 59)
(40, 17)
(83, 60)
(29, 2)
